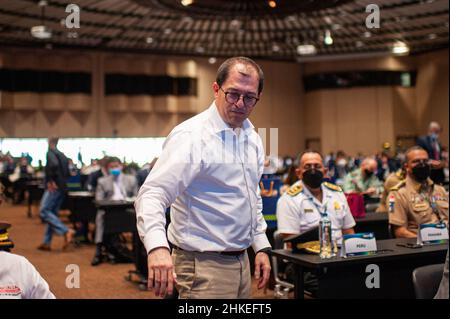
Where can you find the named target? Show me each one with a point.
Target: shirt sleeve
(288, 216)
(398, 216)
(260, 240)
(348, 185)
(175, 169)
(37, 287)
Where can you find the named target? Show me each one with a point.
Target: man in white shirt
(209, 172)
(300, 208)
(18, 277)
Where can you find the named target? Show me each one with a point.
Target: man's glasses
(233, 98)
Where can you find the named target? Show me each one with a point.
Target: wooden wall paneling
(116, 102)
(53, 101)
(140, 103)
(79, 102)
(187, 68)
(25, 100)
(165, 103)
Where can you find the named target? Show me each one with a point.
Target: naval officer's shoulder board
(294, 190)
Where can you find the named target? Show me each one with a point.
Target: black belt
(226, 253)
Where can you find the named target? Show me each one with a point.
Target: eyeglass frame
(240, 95)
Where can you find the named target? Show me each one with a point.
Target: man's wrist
(265, 250)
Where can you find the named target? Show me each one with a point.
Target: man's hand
(51, 186)
(161, 272)
(370, 191)
(262, 263)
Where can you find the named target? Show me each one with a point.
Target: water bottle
(326, 242)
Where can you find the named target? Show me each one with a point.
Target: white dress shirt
(20, 280)
(210, 176)
(298, 213)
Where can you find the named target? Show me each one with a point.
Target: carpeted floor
(103, 281)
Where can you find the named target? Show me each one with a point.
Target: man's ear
(298, 172)
(215, 88)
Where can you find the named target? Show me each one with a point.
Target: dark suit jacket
(425, 142)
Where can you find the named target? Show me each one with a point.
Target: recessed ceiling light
(272, 4)
(275, 48)
(306, 49)
(41, 32)
(367, 34)
(187, 2)
(400, 48)
(212, 60)
(167, 31)
(359, 44)
(328, 40)
(149, 40)
(432, 36)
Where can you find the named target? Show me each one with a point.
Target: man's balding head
(369, 166)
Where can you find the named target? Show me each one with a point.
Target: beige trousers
(208, 275)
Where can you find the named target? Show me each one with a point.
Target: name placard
(433, 233)
(360, 244)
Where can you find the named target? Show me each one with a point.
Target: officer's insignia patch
(398, 186)
(332, 187)
(294, 190)
(337, 206)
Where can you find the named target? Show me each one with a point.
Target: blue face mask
(115, 171)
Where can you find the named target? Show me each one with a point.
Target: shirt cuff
(260, 241)
(154, 240)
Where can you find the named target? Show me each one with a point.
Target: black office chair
(426, 280)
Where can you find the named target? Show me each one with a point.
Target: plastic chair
(426, 280)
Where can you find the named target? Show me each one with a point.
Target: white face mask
(342, 162)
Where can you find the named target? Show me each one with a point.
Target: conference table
(346, 277)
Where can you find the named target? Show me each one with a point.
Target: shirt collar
(415, 184)
(219, 125)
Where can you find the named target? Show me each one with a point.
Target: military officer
(299, 209)
(416, 200)
(18, 277)
(363, 179)
(392, 180)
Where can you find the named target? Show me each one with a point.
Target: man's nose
(240, 102)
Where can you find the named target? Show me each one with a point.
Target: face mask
(312, 178)
(421, 172)
(115, 171)
(341, 162)
(368, 173)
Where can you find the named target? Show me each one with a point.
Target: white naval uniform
(298, 210)
(20, 280)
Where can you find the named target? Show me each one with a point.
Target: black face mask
(421, 172)
(368, 173)
(312, 178)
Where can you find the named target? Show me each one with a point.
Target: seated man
(416, 200)
(299, 209)
(392, 180)
(363, 180)
(19, 279)
(115, 186)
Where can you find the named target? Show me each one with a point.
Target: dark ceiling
(219, 28)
